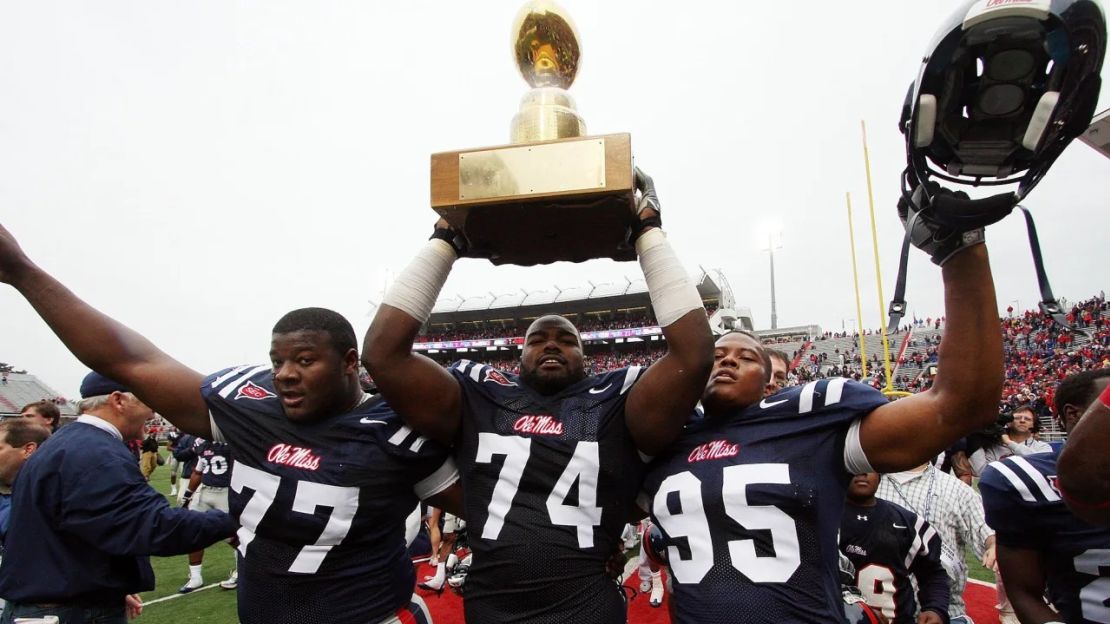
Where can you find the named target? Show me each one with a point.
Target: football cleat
(191, 585)
(656, 598)
(458, 577)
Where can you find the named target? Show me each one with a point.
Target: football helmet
(655, 544)
(1003, 89)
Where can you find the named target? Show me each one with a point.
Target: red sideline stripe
(447, 608)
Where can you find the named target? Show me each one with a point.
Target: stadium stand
(20, 388)
(616, 322)
(618, 329)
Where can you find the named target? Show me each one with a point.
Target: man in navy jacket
(84, 521)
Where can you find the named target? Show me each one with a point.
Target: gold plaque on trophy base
(537, 203)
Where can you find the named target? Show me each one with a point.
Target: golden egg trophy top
(546, 50)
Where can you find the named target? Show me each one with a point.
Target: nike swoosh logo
(371, 421)
(898, 526)
(600, 390)
(765, 405)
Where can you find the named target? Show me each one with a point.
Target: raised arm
(421, 391)
(106, 346)
(662, 401)
(965, 395)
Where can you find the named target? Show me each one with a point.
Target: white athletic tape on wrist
(416, 289)
(672, 292)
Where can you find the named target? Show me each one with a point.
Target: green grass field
(211, 605)
(976, 569)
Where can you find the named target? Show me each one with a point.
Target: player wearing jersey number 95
(750, 496)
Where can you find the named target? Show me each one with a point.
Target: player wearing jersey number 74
(525, 444)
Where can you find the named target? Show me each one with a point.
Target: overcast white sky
(196, 169)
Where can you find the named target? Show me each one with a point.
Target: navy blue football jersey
(322, 505)
(1024, 507)
(214, 464)
(185, 452)
(887, 543)
(548, 483)
(751, 504)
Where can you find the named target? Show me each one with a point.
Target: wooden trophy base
(537, 203)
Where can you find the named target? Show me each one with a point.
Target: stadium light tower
(770, 239)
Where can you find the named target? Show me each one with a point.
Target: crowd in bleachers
(915, 324)
(620, 319)
(1039, 353)
(595, 363)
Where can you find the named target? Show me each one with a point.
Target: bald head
(553, 320)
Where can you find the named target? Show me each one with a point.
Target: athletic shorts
(210, 498)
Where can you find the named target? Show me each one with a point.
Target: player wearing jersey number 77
(548, 459)
(321, 496)
(750, 497)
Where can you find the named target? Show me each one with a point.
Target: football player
(213, 472)
(551, 460)
(443, 557)
(1084, 466)
(324, 474)
(750, 497)
(886, 543)
(1041, 544)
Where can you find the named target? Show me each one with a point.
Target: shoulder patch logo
(251, 390)
(496, 377)
(1054, 481)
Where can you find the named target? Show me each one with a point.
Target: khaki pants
(148, 461)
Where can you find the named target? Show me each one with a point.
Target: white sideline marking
(172, 596)
(978, 582)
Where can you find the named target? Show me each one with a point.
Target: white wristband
(416, 289)
(672, 293)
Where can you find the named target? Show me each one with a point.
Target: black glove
(453, 237)
(930, 231)
(646, 199)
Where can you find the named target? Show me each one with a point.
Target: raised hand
(647, 204)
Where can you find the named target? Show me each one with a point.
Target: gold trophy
(553, 194)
